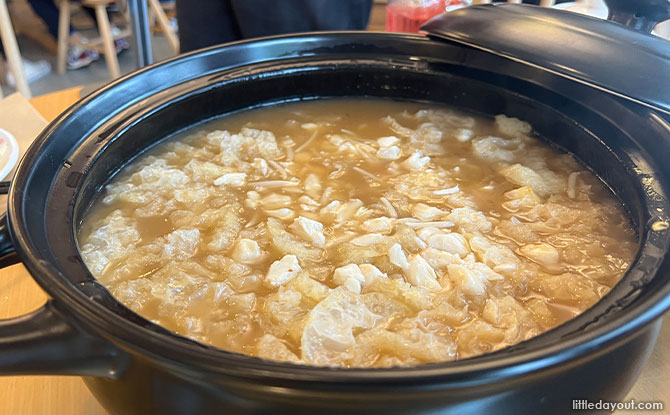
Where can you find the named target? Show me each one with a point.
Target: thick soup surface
(357, 233)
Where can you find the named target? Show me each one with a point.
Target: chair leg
(107, 41)
(152, 16)
(63, 34)
(3, 70)
(163, 21)
(12, 51)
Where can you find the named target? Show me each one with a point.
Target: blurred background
(84, 61)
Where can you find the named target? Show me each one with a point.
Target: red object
(408, 16)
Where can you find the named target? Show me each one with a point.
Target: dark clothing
(205, 23)
(48, 12)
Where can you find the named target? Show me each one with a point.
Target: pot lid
(618, 56)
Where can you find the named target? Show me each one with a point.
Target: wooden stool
(159, 13)
(12, 51)
(105, 44)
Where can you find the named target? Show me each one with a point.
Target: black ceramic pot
(135, 367)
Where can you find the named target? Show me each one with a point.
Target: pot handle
(642, 15)
(8, 255)
(46, 342)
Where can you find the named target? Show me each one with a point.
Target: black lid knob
(642, 15)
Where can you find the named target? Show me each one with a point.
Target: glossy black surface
(7, 254)
(602, 54)
(145, 369)
(44, 341)
(147, 388)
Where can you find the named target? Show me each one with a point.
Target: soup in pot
(357, 233)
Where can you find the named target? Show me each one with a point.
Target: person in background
(34, 70)
(205, 23)
(79, 56)
(120, 44)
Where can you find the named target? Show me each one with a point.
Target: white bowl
(9, 153)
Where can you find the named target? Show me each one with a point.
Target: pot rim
(480, 369)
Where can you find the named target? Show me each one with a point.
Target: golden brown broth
(555, 255)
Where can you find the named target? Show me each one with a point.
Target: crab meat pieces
(347, 146)
(331, 208)
(381, 224)
(453, 243)
(363, 212)
(328, 337)
(470, 220)
(543, 182)
(350, 277)
(512, 127)
(261, 166)
(283, 271)
(309, 230)
(231, 179)
(341, 211)
(367, 240)
(426, 212)
(276, 201)
(425, 233)
(542, 253)
(450, 190)
(270, 347)
(336, 140)
(440, 260)
(114, 240)
(388, 141)
(310, 126)
(496, 149)
(497, 256)
(313, 186)
(371, 273)
(308, 204)
(282, 214)
(397, 257)
(463, 134)
(246, 251)
(306, 200)
(522, 198)
(416, 161)
(389, 153)
(421, 274)
(427, 133)
(471, 282)
(252, 200)
(182, 243)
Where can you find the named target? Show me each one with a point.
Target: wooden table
(19, 294)
(61, 395)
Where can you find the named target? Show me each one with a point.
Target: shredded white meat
(367, 234)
